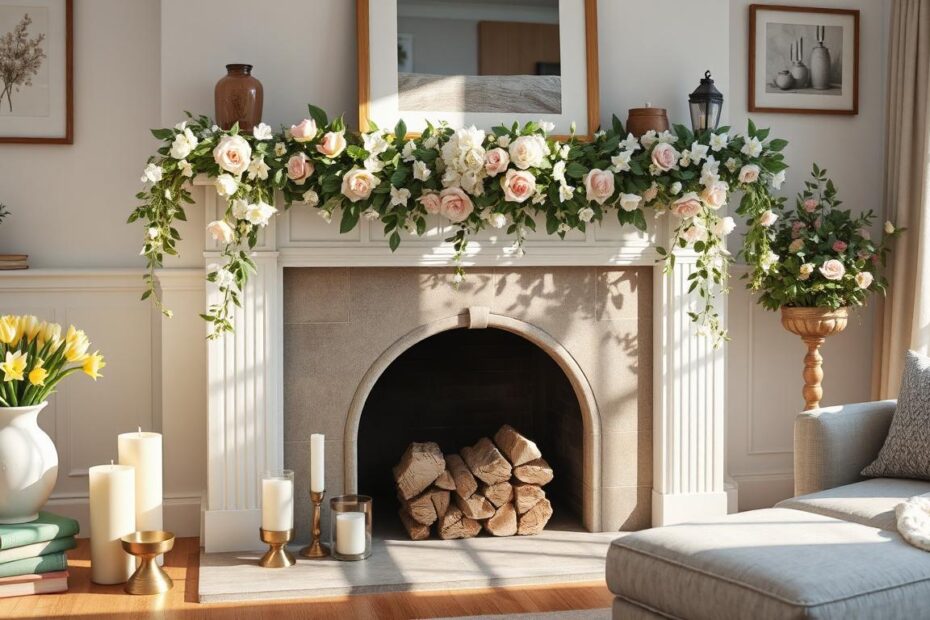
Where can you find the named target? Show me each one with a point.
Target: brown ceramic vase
(238, 98)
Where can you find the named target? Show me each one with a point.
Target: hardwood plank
(89, 600)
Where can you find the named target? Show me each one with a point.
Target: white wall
(140, 64)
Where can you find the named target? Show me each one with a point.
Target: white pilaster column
(244, 401)
(688, 407)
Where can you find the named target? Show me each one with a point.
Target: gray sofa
(830, 552)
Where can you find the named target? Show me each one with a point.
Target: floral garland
(500, 179)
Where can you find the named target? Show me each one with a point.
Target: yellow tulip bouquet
(34, 358)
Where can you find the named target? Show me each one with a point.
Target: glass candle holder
(350, 527)
(278, 500)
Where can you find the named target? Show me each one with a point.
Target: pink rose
(715, 194)
(650, 194)
(749, 173)
(599, 185)
(810, 205)
(332, 144)
(687, 206)
(839, 246)
(797, 228)
(863, 254)
(358, 183)
(518, 185)
(299, 168)
(833, 270)
(304, 131)
(796, 246)
(664, 156)
(431, 203)
(767, 218)
(817, 223)
(495, 161)
(233, 154)
(455, 204)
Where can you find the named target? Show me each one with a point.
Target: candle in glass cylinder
(112, 516)
(350, 533)
(143, 451)
(278, 501)
(317, 479)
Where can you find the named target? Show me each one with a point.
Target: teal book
(37, 549)
(33, 566)
(47, 527)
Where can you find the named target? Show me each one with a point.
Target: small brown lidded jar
(641, 120)
(238, 98)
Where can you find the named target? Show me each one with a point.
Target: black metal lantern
(705, 102)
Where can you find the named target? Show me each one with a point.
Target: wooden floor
(88, 600)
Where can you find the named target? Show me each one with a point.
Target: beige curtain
(904, 316)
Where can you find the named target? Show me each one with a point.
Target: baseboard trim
(763, 490)
(668, 509)
(181, 513)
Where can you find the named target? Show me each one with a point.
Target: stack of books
(14, 261)
(33, 557)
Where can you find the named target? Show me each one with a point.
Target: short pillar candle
(278, 501)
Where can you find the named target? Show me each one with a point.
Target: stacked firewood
(496, 485)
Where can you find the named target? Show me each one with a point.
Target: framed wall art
(478, 63)
(803, 59)
(36, 71)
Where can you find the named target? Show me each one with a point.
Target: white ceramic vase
(28, 464)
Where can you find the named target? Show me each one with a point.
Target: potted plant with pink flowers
(822, 261)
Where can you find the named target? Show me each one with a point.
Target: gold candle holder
(315, 550)
(277, 555)
(149, 577)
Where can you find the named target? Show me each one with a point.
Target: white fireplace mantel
(245, 369)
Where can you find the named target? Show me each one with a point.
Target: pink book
(24, 585)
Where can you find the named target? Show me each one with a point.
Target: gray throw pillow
(906, 453)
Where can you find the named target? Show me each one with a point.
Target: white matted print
(35, 71)
(803, 60)
(478, 63)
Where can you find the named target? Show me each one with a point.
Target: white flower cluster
(463, 160)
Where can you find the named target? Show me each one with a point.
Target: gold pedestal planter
(813, 325)
(149, 578)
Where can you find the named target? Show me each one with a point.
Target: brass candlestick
(149, 578)
(315, 550)
(277, 555)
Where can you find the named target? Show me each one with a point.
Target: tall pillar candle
(317, 467)
(143, 451)
(112, 516)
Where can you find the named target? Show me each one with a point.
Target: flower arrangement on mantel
(500, 179)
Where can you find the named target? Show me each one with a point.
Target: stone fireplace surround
(653, 433)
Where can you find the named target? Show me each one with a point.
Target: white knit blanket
(913, 517)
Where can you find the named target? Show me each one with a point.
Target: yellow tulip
(29, 326)
(8, 329)
(50, 332)
(76, 345)
(38, 374)
(93, 364)
(14, 366)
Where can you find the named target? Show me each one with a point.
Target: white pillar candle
(143, 451)
(317, 477)
(350, 533)
(277, 504)
(112, 516)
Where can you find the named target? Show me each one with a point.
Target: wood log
(419, 467)
(498, 494)
(525, 496)
(454, 524)
(504, 521)
(535, 472)
(475, 507)
(445, 481)
(486, 462)
(440, 499)
(535, 519)
(420, 508)
(416, 531)
(517, 448)
(465, 484)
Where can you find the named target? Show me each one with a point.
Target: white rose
(233, 154)
(558, 171)
(187, 170)
(280, 149)
(375, 143)
(497, 220)
(370, 214)
(621, 161)
(864, 279)
(527, 151)
(805, 271)
(566, 192)
(767, 218)
(311, 198)
(833, 270)
(421, 171)
(752, 148)
(675, 188)
(259, 214)
(546, 126)
(358, 183)
(183, 144)
(399, 197)
(649, 138)
(724, 226)
(563, 228)
(221, 232)
(694, 233)
(718, 141)
(586, 214)
(504, 141)
(778, 179)
(731, 164)
(749, 173)
(226, 185)
(262, 132)
(222, 277)
(407, 152)
(239, 209)
(889, 228)
(152, 173)
(326, 215)
(629, 202)
(258, 169)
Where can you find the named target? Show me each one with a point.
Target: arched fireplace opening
(460, 385)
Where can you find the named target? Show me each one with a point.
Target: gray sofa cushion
(870, 502)
(906, 453)
(772, 563)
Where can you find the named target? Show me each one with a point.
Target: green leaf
(162, 134)
(318, 116)
(400, 130)
(639, 220)
(394, 241)
(575, 170)
(356, 152)
(777, 144)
